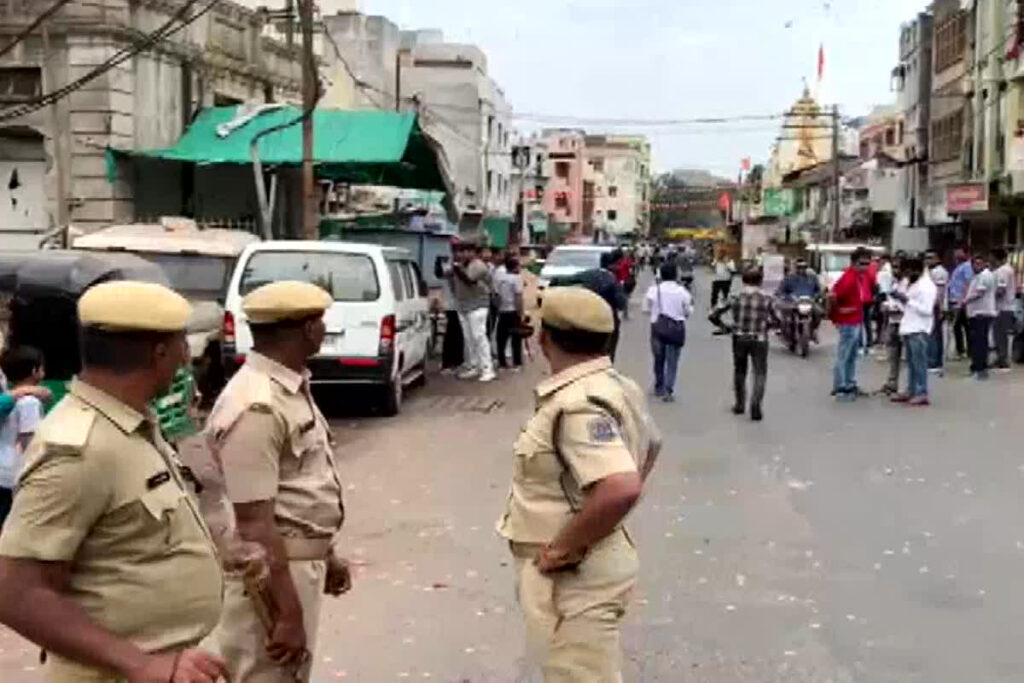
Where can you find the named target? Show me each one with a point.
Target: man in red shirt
(847, 314)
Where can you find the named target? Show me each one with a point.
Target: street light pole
(310, 211)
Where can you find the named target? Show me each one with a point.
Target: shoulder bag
(668, 330)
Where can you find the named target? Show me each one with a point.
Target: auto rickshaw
(39, 294)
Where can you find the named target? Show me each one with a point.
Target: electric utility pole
(310, 211)
(836, 195)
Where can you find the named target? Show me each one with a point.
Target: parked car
(378, 328)
(198, 263)
(568, 260)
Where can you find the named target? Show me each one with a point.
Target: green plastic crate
(173, 408)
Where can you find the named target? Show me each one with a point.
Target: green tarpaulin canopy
(360, 147)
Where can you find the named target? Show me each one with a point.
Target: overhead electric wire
(145, 43)
(27, 31)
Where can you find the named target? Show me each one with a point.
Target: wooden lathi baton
(263, 605)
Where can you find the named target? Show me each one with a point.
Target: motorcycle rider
(801, 282)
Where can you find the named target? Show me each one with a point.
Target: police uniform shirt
(274, 444)
(593, 409)
(102, 490)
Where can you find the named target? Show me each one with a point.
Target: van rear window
(346, 277)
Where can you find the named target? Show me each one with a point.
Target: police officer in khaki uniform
(274, 447)
(580, 463)
(105, 561)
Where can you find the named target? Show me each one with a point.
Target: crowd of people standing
(908, 303)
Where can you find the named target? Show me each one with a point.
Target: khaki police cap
(577, 308)
(285, 300)
(132, 305)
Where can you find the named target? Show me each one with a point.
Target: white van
(378, 328)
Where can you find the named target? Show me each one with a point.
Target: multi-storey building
(912, 78)
(54, 157)
(564, 196)
(617, 179)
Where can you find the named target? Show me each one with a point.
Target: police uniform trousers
(241, 640)
(573, 617)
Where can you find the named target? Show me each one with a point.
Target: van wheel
(392, 403)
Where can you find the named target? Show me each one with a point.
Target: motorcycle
(798, 327)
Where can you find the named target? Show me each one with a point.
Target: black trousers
(978, 328)
(748, 351)
(960, 333)
(452, 351)
(719, 288)
(869, 325)
(508, 323)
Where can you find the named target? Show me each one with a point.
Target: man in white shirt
(671, 299)
(721, 285)
(980, 306)
(915, 329)
(940, 278)
(1006, 309)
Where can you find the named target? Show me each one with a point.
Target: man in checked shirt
(753, 313)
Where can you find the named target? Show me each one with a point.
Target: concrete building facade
(564, 168)
(53, 159)
(463, 108)
(617, 174)
(912, 79)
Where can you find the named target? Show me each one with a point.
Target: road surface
(832, 542)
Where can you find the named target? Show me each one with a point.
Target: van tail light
(387, 335)
(229, 328)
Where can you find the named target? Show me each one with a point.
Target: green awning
(360, 147)
(497, 227)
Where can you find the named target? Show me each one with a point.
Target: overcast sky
(675, 59)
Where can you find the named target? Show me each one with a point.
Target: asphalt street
(861, 542)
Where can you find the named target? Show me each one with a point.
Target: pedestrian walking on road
(105, 561)
(937, 346)
(721, 285)
(958, 283)
(847, 313)
(276, 452)
(753, 313)
(581, 461)
(917, 297)
(980, 309)
(1005, 324)
(670, 305)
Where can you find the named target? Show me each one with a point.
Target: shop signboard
(966, 198)
(779, 202)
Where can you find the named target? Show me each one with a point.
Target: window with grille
(20, 83)
(947, 136)
(950, 41)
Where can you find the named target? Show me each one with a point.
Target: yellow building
(805, 139)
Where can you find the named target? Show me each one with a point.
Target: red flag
(724, 202)
(821, 62)
(745, 164)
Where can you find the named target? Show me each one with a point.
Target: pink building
(563, 197)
